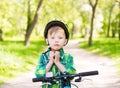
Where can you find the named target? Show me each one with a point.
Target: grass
(16, 58)
(109, 47)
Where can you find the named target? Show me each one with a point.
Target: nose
(56, 40)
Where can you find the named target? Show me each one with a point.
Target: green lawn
(109, 47)
(16, 58)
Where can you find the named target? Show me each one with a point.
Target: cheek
(63, 42)
(50, 41)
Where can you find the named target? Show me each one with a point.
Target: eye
(52, 37)
(60, 37)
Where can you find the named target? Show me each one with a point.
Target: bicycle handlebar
(48, 79)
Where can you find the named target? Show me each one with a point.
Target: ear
(47, 41)
(66, 41)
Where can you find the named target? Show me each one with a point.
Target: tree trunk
(114, 28)
(119, 34)
(28, 15)
(91, 27)
(31, 24)
(109, 21)
(92, 21)
(113, 33)
(72, 30)
(1, 39)
(119, 28)
(119, 23)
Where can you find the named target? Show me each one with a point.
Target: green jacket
(65, 58)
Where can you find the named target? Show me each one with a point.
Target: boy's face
(56, 39)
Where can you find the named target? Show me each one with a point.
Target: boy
(54, 60)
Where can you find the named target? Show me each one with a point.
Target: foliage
(11, 20)
(13, 16)
(16, 58)
(105, 10)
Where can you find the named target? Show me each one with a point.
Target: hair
(56, 23)
(54, 29)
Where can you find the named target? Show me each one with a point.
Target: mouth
(56, 44)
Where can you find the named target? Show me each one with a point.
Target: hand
(51, 57)
(51, 61)
(56, 56)
(57, 61)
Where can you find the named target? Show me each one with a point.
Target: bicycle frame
(65, 78)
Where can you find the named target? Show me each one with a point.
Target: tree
(31, 24)
(92, 20)
(119, 20)
(72, 30)
(109, 20)
(114, 28)
(1, 39)
(119, 23)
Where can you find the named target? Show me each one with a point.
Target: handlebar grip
(38, 79)
(88, 73)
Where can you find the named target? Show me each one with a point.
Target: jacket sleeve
(41, 67)
(70, 64)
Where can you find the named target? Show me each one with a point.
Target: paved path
(84, 61)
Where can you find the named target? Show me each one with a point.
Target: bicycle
(67, 82)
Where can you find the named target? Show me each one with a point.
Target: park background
(22, 22)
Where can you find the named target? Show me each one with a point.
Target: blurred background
(22, 22)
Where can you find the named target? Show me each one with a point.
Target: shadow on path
(84, 61)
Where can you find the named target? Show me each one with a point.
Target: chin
(56, 49)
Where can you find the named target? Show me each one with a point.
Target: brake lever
(78, 79)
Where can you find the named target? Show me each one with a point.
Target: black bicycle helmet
(56, 23)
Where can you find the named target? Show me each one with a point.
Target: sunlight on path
(85, 61)
(23, 81)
